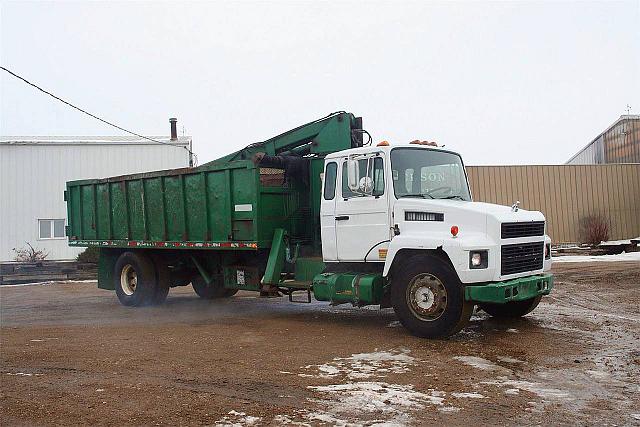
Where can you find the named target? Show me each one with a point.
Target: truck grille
(511, 230)
(521, 257)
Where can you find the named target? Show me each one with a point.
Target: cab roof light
(383, 144)
(418, 142)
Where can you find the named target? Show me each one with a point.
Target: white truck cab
(402, 205)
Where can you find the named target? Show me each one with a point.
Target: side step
(291, 286)
(308, 301)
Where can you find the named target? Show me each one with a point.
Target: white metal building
(34, 170)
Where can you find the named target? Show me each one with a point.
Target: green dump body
(227, 204)
(216, 207)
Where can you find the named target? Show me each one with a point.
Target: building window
(51, 228)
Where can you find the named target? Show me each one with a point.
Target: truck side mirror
(353, 175)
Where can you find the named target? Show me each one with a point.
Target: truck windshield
(429, 174)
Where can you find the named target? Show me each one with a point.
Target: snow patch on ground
(366, 365)
(358, 397)
(23, 374)
(618, 242)
(392, 401)
(237, 419)
(330, 419)
(449, 409)
(480, 363)
(286, 420)
(624, 256)
(507, 359)
(532, 387)
(377, 396)
(47, 283)
(472, 395)
(598, 374)
(328, 371)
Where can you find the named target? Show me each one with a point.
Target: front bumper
(519, 289)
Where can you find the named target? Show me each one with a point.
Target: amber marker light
(383, 144)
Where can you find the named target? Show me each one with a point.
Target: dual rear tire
(142, 280)
(213, 290)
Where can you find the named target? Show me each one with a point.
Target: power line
(91, 115)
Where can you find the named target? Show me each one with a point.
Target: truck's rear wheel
(163, 280)
(135, 279)
(512, 309)
(230, 292)
(428, 298)
(214, 290)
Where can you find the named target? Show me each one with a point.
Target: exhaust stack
(174, 130)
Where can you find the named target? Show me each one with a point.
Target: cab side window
(330, 181)
(377, 179)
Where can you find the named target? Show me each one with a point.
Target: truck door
(328, 212)
(362, 220)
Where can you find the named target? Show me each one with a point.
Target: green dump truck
(316, 211)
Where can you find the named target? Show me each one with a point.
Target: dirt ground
(70, 354)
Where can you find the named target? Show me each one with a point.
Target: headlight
(478, 259)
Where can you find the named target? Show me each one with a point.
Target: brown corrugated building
(602, 179)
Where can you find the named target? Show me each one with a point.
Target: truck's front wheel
(512, 309)
(428, 298)
(135, 279)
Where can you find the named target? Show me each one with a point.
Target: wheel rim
(427, 297)
(128, 279)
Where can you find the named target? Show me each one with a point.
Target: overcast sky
(503, 83)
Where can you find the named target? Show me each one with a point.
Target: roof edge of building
(91, 140)
(621, 118)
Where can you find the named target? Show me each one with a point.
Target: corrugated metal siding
(566, 194)
(620, 143)
(33, 177)
(593, 154)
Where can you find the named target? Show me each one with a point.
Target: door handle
(342, 218)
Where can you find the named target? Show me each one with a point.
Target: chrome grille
(521, 257)
(512, 230)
